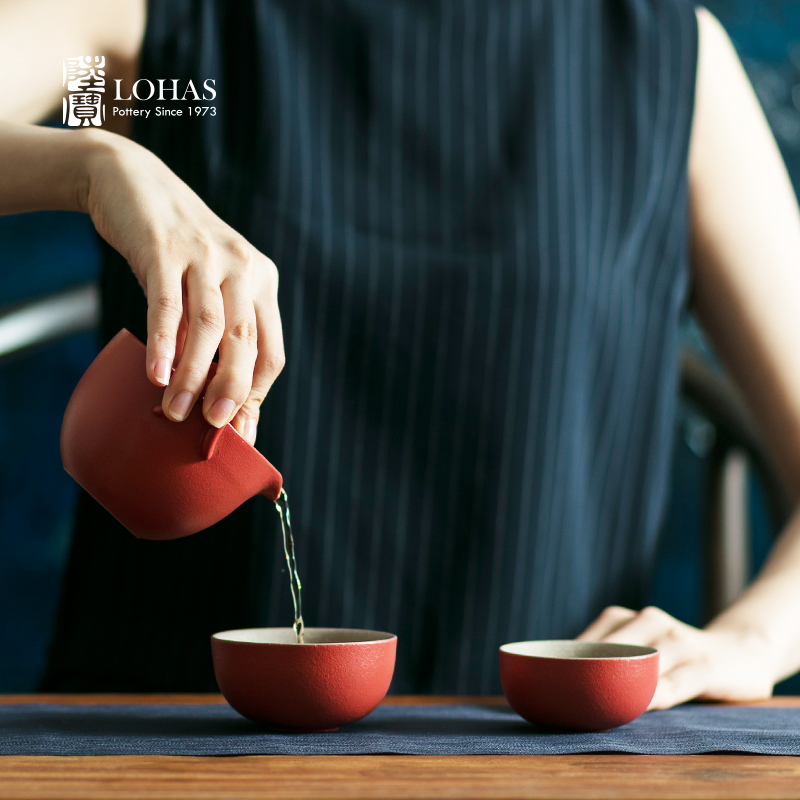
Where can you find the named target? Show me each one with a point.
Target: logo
(85, 79)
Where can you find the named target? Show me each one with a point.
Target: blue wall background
(39, 253)
(44, 252)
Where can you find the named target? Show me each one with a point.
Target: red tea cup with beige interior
(335, 677)
(585, 686)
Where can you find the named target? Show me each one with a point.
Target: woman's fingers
(205, 315)
(652, 627)
(238, 350)
(181, 340)
(649, 627)
(612, 618)
(719, 664)
(270, 359)
(164, 314)
(236, 314)
(682, 683)
(676, 648)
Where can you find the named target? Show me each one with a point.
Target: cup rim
(374, 637)
(635, 651)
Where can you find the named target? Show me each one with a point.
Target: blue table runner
(217, 730)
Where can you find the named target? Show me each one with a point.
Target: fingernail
(221, 412)
(161, 370)
(179, 407)
(250, 430)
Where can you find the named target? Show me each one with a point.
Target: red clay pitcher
(160, 479)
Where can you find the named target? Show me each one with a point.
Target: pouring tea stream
(161, 479)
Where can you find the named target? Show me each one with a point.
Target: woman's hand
(207, 287)
(712, 664)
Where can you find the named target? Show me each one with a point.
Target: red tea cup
(337, 676)
(584, 686)
(160, 479)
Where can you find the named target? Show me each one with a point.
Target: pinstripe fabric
(479, 213)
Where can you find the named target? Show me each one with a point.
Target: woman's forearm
(207, 288)
(45, 168)
(770, 607)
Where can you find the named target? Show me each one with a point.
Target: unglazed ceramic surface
(160, 479)
(336, 677)
(584, 686)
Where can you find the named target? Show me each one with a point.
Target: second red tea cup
(586, 686)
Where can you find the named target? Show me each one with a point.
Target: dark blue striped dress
(479, 213)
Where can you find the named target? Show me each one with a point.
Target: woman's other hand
(717, 663)
(207, 287)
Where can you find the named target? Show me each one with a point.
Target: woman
(480, 213)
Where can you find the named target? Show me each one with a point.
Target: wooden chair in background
(736, 450)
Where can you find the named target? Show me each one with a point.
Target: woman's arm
(746, 255)
(206, 286)
(746, 264)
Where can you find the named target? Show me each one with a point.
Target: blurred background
(44, 254)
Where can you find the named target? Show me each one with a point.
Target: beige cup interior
(570, 649)
(311, 636)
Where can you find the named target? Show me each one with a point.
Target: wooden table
(305, 777)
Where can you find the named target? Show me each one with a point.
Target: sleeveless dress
(478, 209)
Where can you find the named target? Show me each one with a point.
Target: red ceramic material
(338, 676)
(584, 686)
(160, 479)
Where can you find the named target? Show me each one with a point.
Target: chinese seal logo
(85, 79)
